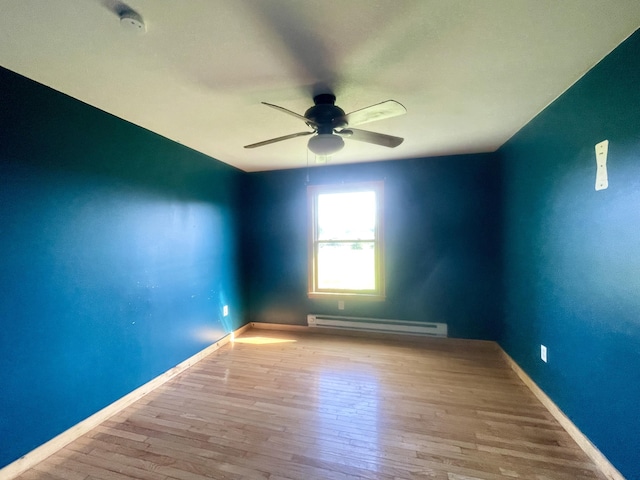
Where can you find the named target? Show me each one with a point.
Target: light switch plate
(602, 180)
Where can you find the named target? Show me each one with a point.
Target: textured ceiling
(470, 73)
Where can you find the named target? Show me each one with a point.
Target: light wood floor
(278, 405)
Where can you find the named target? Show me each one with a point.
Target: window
(345, 241)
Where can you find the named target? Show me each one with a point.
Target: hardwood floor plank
(304, 406)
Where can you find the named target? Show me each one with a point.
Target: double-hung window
(346, 241)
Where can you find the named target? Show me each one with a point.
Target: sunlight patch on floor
(262, 340)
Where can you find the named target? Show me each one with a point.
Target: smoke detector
(132, 22)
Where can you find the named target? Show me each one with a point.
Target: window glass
(345, 241)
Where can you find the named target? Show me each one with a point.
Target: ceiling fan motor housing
(325, 114)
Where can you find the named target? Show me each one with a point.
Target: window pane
(346, 266)
(347, 216)
(346, 241)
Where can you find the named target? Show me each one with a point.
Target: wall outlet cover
(602, 179)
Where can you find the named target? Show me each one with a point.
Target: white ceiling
(471, 73)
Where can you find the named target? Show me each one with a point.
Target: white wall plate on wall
(602, 181)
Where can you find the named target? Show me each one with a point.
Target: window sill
(364, 297)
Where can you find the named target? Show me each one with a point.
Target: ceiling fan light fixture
(325, 144)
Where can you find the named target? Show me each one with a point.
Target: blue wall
(572, 255)
(118, 249)
(442, 236)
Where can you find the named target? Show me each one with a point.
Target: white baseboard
(47, 449)
(580, 438)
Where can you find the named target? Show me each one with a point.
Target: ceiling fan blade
(278, 139)
(289, 112)
(371, 137)
(376, 112)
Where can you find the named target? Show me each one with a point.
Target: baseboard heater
(378, 325)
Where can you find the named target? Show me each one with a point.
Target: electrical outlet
(225, 310)
(543, 353)
(340, 304)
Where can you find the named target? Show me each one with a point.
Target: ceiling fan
(330, 124)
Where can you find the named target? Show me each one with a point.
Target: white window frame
(378, 293)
